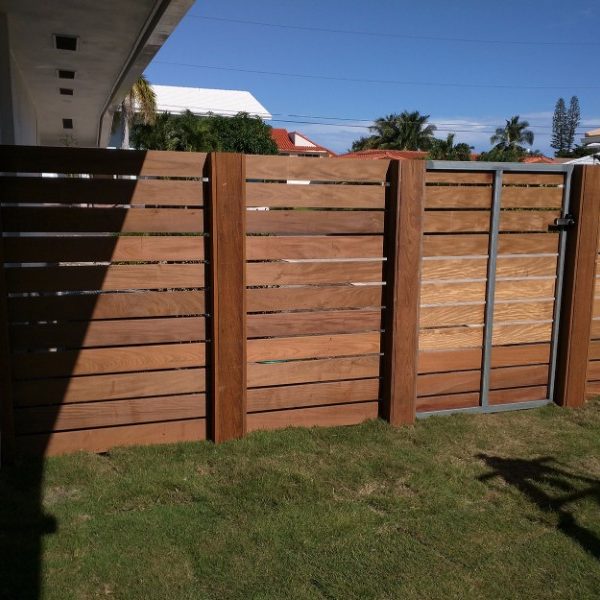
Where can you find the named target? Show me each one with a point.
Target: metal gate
(528, 226)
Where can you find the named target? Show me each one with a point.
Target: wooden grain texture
(459, 177)
(456, 221)
(317, 346)
(321, 416)
(515, 395)
(285, 273)
(278, 168)
(316, 298)
(521, 333)
(523, 311)
(324, 369)
(533, 179)
(117, 220)
(44, 419)
(532, 197)
(521, 376)
(447, 338)
(578, 290)
(108, 333)
(102, 439)
(473, 244)
(282, 195)
(322, 322)
(458, 197)
(71, 190)
(313, 394)
(463, 360)
(106, 278)
(227, 392)
(435, 384)
(108, 360)
(315, 247)
(594, 350)
(39, 159)
(403, 238)
(107, 306)
(314, 222)
(51, 249)
(115, 386)
(451, 314)
(7, 433)
(447, 402)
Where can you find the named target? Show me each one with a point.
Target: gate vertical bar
(403, 252)
(558, 289)
(227, 387)
(578, 288)
(7, 431)
(490, 294)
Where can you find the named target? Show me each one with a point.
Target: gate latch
(563, 223)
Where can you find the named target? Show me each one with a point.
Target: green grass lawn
(486, 507)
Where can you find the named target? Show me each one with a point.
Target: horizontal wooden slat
(522, 289)
(447, 402)
(99, 440)
(91, 388)
(468, 221)
(314, 298)
(432, 316)
(304, 323)
(108, 414)
(459, 177)
(313, 394)
(108, 333)
(593, 372)
(528, 220)
(457, 197)
(476, 268)
(502, 356)
(594, 353)
(308, 169)
(531, 197)
(595, 329)
(285, 273)
(38, 159)
(310, 222)
(103, 249)
(319, 246)
(435, 384)
(450, 337)
(107, 360)
(512, 377)
(118, 220)
(325, 369)
(315, 195)
(522, 333)
(119, 277)
(526, 394)
(523, 311)
(107, 306)
(322, 416)
(533, 178)
(313, 346)
(508, 243)
(70, 190)
(446, 293)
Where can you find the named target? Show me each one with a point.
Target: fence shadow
(553, 489)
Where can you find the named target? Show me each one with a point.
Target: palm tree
(513, 134)
(448, 150)
(404, 131)
(140, 103)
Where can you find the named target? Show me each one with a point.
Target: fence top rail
(451, 165)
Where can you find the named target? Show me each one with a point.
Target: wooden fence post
(7, 431)
(402, 246)
(227, 293)
(578, 289)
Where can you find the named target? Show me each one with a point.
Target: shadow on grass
(552, 489)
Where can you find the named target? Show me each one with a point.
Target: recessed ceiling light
(65, 74)
(65, 42)
(67, 123)
(66, 91)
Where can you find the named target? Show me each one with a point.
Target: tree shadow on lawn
(552, 489)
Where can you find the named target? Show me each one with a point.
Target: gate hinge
(563, 223)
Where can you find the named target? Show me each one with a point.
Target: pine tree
(572, 122)
(559, 121)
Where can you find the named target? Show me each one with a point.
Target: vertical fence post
(578, 288)
(7, 431)
(402, 246)
(227, 290)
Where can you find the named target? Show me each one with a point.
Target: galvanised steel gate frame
(498, 169)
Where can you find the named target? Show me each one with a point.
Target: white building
(591, 138)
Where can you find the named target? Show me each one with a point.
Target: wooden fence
(159, 297)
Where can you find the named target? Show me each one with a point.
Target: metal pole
(491, 290)
(558, 289)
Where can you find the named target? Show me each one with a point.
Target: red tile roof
(283, 139)
(539, 160)
(376, 153)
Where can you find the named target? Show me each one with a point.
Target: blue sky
(547, 44)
